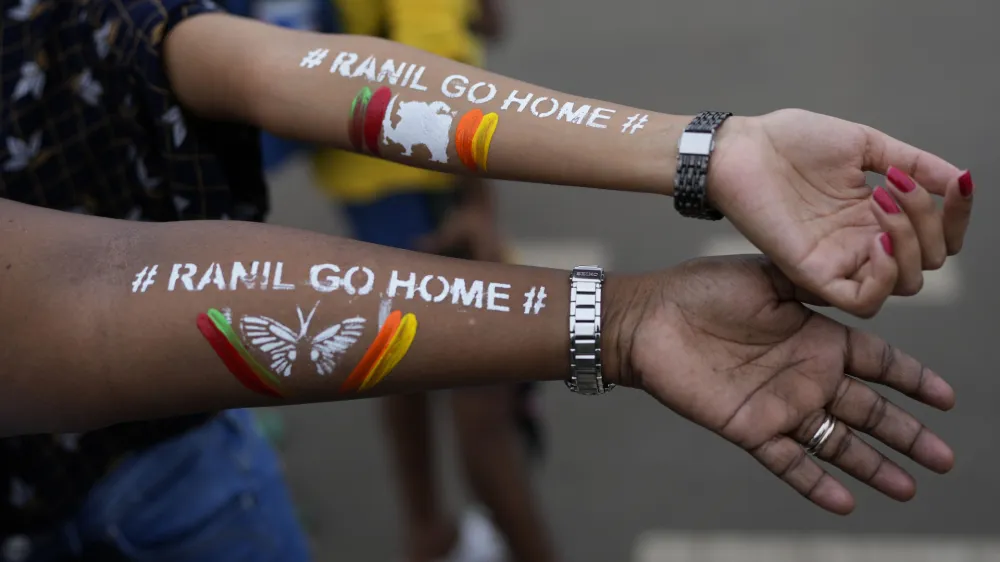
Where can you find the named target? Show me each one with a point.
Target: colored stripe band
(355, 124)
(223, 326)
(378, 360)
(374, 115)
(231, 358)
(375, 350)
(482, 139)
(464, 134)
(395, 351)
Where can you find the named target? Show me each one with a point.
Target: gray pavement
(923, 71)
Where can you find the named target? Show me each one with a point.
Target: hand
(793, 183)
(726, 343)
(469, 230)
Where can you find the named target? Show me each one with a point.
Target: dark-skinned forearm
(95, 338)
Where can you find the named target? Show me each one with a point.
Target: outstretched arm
(107, 321)
(101, 318)
(422, 110)
(793, 182)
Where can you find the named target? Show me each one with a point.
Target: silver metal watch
(586, 376)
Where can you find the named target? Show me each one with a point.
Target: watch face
(696, 143)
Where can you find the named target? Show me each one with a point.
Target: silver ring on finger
(822, 435)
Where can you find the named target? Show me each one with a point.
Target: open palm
(725, 343)
(794, 183)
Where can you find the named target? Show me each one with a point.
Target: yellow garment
(437, 26)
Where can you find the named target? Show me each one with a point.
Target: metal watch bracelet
(586, 373)
(694, 150)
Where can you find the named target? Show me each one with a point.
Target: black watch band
(690, 181)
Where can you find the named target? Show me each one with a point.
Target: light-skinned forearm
(227, 67)
(91, 338)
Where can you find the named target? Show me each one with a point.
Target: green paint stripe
(220, 322)
(223, 326)
(364, 96)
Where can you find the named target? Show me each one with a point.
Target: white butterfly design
(282, 345)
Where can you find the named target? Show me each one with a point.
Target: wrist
(726, 138)
(662, 160)
(622, 307)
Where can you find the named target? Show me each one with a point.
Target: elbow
(74, 304)
(259, 96)
(209, 62)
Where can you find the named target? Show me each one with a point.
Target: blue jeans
(214, 494)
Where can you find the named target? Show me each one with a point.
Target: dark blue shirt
(89, 125)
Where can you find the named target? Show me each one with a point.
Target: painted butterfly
(283, 346)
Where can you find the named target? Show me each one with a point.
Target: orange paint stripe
(375, 351)
(373, 368)
(464, 134)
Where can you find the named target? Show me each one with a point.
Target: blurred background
(625, 479)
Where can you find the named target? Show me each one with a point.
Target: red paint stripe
(231, 358)
(356, 125)
(373, 118)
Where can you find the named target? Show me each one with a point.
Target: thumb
(786, 289)
(865, 297)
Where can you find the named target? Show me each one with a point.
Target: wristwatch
(586, 376)
(694, 149)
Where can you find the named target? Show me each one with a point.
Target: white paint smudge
(384, 309)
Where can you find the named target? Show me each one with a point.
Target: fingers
(883, 154)
(957, 210)
(848, 452)
(905, 243)
(918, 204)
(790, 462)
(864, 409)
(870, 358)
(865, 297)
(883, 151)
(923, 236)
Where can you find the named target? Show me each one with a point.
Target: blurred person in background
(394, 205)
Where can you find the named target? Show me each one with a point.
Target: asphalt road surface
(626, 477)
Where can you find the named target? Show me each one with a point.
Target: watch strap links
(691, 178)
(586, 372)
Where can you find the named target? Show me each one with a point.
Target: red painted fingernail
(965, 185)
(885, 201)
(886, 242)
(899, 179)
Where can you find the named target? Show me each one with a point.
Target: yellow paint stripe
(483, 137)
(395, 351)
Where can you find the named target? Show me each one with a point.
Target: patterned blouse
(89, 125)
